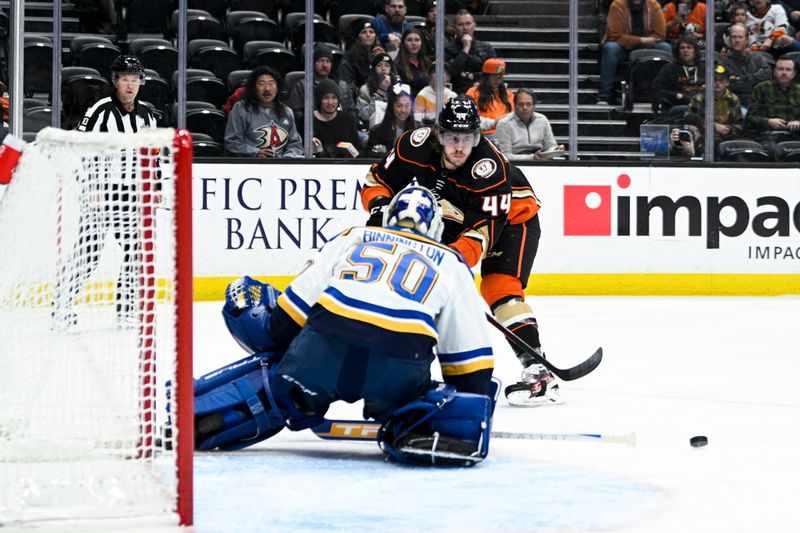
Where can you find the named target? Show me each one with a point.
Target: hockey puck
(698, 441)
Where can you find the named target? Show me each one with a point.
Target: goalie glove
(246, 293)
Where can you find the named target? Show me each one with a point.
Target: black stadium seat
(206, 89)
(257, 53)
(246, 26)
(216, 8)
(740, 150)
(79, 92)
(36, 118)
(156, 54)
(156, 91)
(645, 64)
(788, 152)
(236, 79)
(208, 121)
(96, 55)
(38, 69)
(213, 55)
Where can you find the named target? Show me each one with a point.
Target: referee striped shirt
(108, 115)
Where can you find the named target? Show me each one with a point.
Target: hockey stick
(567, 374)
(360, 430)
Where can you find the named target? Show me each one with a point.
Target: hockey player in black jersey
(489, 211)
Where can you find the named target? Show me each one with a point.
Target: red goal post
(96, 390)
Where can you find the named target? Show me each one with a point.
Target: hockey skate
(537, 388)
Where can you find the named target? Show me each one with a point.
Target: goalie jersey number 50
(408, 274)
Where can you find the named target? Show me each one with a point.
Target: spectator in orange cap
(491, 94)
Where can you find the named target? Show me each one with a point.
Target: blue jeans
(611, 54)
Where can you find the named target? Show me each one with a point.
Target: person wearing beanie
(356, 64)
(335, 133)
(323, 70)
(372, 95)
(491, 94)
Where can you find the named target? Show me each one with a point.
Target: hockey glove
(376, 209)
(246, 293)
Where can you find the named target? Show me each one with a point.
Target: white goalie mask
(415, 207)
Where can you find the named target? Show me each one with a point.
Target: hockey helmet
(126, 64)
(459, 115)
(415, 208)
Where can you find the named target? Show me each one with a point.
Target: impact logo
(589, 210)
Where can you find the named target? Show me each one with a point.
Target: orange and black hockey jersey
(478, 198)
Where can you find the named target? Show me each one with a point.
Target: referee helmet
(126, 64)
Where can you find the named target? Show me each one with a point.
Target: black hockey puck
(698, 441)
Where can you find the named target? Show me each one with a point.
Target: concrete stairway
(532, 36)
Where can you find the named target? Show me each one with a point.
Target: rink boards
(605, 230)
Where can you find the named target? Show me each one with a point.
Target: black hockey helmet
(126, 64)
(458, 120)
(460, 114)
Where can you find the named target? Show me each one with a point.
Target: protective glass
(451, 138)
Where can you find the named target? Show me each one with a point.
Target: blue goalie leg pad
(230, 408)
(442, 427)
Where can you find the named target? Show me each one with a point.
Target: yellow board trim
(213, 288)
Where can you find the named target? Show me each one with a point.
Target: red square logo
(587, 210)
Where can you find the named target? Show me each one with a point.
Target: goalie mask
(415, 208)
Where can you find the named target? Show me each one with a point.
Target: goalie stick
(567, 374)
(360, 430)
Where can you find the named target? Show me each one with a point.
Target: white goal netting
(88, 346)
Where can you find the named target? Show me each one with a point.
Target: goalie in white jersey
(361, 322)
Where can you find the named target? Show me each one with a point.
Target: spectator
(391, 25)
(413, 60)
(774, 111)
(676, 83)
(372, 95)
(465, 53)
(686, 141)
(769, 25)
(260, 123)
(335, 133)
(631, 24)
(685, 17)
(524, 134)
(737, 14)
(746, 68)
(425, 110)
(399, 117)
(792, 8)
(492, 96)
(356, 64)
(429, 27)
(323, 64)
(728, 119)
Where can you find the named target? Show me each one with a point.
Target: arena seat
(213, 55)
(743, 150)
(38, 68)
(247, 26)
(788, 152)
(645, 64)
(257, 53)
(236, 79)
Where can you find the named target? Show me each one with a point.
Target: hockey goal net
(95, 330)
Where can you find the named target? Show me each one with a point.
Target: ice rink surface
(727, 368)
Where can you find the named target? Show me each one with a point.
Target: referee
(109, 199)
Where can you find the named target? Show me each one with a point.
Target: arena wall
(605, 230)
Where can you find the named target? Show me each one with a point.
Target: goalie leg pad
(248, 305)
(441, 428)
(231, 407)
